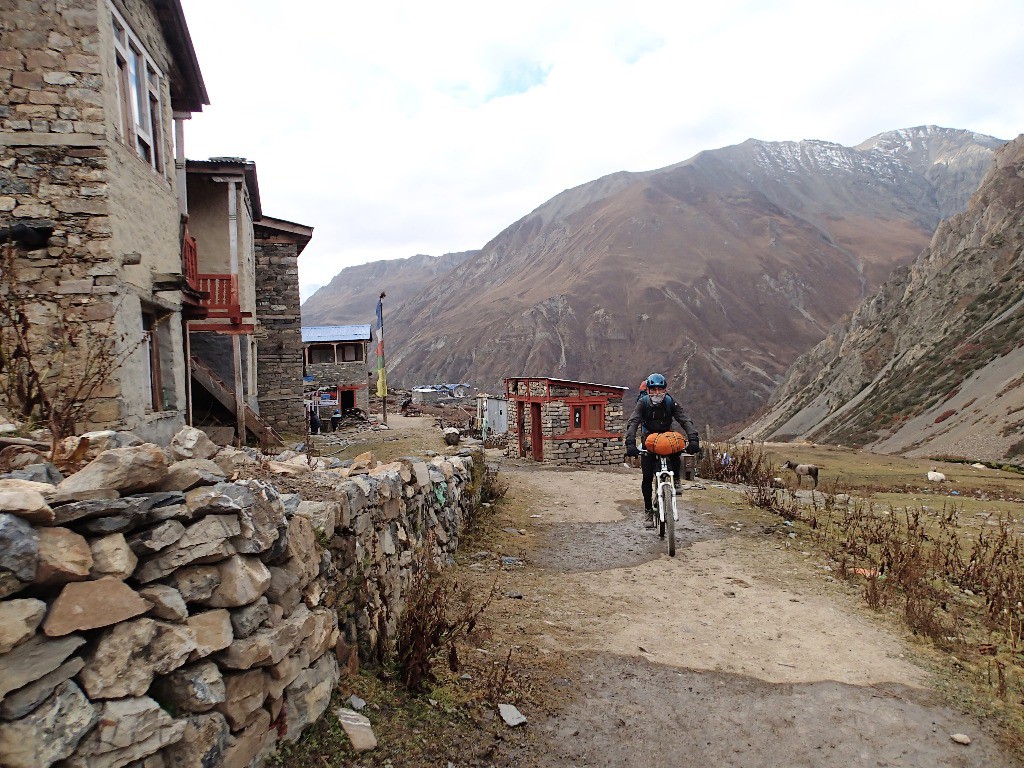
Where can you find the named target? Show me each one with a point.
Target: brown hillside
(718, 271)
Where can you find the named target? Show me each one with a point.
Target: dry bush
(731, 463)
(438, 609)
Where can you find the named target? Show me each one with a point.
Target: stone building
(278, 352)
(334, 358)
(245, 354)
(94, 95)
(565, 422)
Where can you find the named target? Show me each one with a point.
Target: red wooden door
(536, 435)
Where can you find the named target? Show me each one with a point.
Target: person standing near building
(654, 412)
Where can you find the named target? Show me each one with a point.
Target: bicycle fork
(666, 478)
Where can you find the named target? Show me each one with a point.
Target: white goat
(802, 471)
(936, 477)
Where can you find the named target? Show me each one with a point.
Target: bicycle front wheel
(668, 517)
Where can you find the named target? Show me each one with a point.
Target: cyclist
(655, 411)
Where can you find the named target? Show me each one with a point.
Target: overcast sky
(405, 127)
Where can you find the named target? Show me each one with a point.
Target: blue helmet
(656, 380)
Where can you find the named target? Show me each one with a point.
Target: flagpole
(382, 388)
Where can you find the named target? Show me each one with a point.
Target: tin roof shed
(326, 333)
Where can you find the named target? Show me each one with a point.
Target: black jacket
(657, 418)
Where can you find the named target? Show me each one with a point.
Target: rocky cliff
(932, 363)
(718, 271)
(351, 296)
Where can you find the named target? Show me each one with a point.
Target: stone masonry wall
(279, 351)
(61, 161)
(345, 374)
(555, 417)
(154, 613)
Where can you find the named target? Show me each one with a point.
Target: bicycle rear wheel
(668, 520)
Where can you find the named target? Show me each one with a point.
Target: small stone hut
(565, 422)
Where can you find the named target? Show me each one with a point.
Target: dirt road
(740, 651)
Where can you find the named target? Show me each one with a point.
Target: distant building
(565, 422)
(334, 360)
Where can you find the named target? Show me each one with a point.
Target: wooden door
(536, 435)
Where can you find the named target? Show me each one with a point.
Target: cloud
(411, 127)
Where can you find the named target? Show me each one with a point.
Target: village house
(334, 363)
(169, 266)
(244, 354)
(93, 101)
(565, 422)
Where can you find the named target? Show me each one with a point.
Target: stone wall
(343, 374)
(61, 160)
(152, 610)
(568, 449)
(279, 350)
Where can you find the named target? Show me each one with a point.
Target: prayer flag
(382, 379)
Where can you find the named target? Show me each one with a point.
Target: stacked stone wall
(154, 613)
(344, 374)
(279, 348)
(556, 415)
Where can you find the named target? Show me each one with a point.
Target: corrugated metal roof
(311, 333)
(569, 382)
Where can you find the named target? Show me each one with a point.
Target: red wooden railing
(190, 261)
(223, 290)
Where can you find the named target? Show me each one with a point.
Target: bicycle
(666, 485)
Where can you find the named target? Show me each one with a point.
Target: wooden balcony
(221, 303)
(190, 261)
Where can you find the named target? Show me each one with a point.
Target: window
(349, 353)
(322, 353)
(138, 95)
(151, 349)
(586, 417)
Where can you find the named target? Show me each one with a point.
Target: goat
(936, 477)
(803, 470)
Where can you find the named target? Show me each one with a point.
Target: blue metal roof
(312, 333)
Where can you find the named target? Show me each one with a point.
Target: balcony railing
(222, 290)
(190, 261)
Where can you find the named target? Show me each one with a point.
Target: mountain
(718, 271)
(933, 363)
(351, 296)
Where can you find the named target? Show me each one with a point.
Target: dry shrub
(438, 609)
(731, 463)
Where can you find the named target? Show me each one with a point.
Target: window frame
(586, 417)
(140, 104)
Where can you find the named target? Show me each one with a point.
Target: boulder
(193, 688)
(247, 620)
(128, 730)
(28, 697)
(125, 659)
(191, 443)
(167, 602)
(192, 473)
(28, 505)
(125, 470)
(203, 744)
(195, 582)
(34, 658)
(211, 631)
(451, 436)
(306, 699)
(38, 472)
(204, 541)
(261, 521)
(244, 693)
(219, 499)
(51, 732)
(19, 620)
(242, 581)
(111, 556)
(323, 515)
(253, 744)
(63, 556)
(19, 553)
(157, 538)
(303, 549)
(90, 604)
(89, 509)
